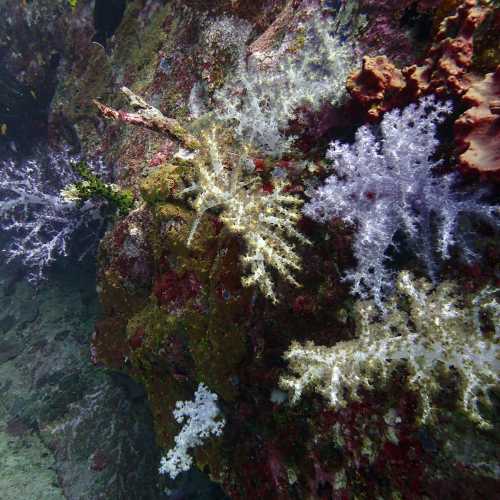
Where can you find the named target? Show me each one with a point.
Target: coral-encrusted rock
(388, 29)
(477, 131)
(377, 85)
(176, 314)
(380, 86)
(446, 69)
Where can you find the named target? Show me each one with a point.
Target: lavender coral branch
(38, 220)
(388, 185)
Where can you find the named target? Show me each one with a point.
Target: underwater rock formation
(216, 197)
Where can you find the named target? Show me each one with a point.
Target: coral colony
(388, 185)
(265, 99)
(201, 418)
(39, 210)
(432, 334)
(256, 243)
(264, 220)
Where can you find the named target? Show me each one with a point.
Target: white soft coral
(428, 331)
(389, 185)
(265, 221)
(201, 419)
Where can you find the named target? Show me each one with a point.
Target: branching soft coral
(388, 185)
(432, 335)
(265, 221)
(263, 101)
(40, 222)
(201, 418)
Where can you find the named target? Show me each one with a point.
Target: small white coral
(388, 185)
(201, 419)
(433, 336)
(265, 221)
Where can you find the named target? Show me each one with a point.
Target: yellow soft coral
(425, 330)
(265, 221)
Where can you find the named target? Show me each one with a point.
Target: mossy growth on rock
(92, 188)
(164, 183)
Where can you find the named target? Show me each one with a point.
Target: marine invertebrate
(377, 86)
(447, 66)
(389, 186)
(260, 102)
(40, 222)
(435, 334)
(264, 220)
(478, 129)
(91, 187)
(201, 419)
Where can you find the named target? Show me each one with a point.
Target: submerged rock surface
(67, 430)
(175, 311)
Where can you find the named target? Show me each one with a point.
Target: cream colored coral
(265, 221)
(426, 330)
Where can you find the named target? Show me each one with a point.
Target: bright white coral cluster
(260, 102)
(38, 220)
(388, 185)
(428, 331)
(201, 418)
(265, 221)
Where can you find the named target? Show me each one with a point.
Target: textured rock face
(67, 430)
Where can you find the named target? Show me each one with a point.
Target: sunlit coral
(265, 220)
(435, 334)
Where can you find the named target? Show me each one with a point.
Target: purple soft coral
(37, 218)
(388, 185)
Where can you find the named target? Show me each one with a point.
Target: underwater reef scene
(249, 249)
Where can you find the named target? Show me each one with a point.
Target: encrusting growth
(149, 117)
(432, 335)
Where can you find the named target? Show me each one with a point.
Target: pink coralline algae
(173, 289)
